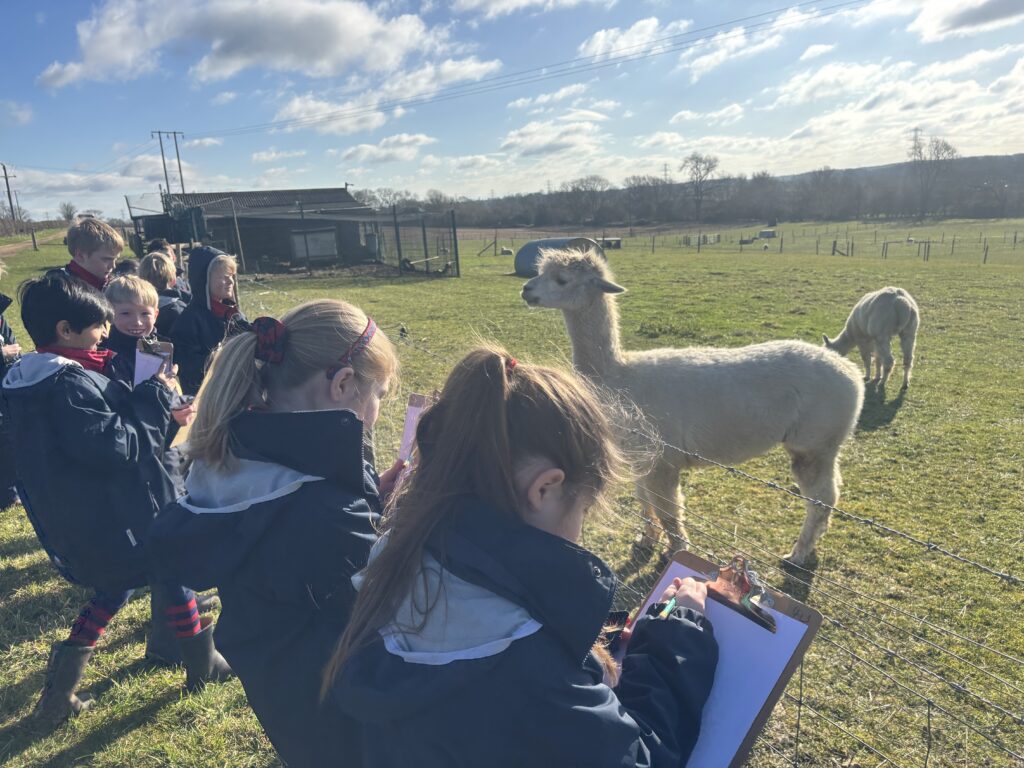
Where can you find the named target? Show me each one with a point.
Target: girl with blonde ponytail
(281, 507)
(474, 639)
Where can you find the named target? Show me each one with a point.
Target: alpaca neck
(594, 333)
(843, 343)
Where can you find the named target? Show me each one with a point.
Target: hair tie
(353, 351)
(510, 365)
(271, 335)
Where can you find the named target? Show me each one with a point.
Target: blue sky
(303, 93)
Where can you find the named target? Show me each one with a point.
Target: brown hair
(492, 417)
(318, 334)
(88, 235)
(130, 289)
(158, 269)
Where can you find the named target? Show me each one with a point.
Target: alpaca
(728, 405)
(875, 319)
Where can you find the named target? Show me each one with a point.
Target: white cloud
(941, 19)
(400, 147)
(272, 155)
(642, 37)
(224, 97)
(566, 92)
(814, 51)
(364, 111)
(837, 80)
(583, 114)
(970, 62)
(547, 137)
(605, 105)
(493, 8)
(123, 39)
(476, 163)
(1013, 81)
(203, 143)
(13, 113)
(728, 115)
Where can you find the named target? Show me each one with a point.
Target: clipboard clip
(738, 587)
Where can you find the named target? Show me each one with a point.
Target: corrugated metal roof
(265, 200)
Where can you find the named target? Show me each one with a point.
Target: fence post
(398, 237)
(952, 247)
(35, 247)
(781, 238)
(850, 254)
(426, 248)
(455, 246)
(1015, 241)
(305, 238)
(652, 243)
(817, 242)
(984, 258)
(238, 236)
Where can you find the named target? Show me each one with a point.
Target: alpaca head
(569, 280)
(829, 344)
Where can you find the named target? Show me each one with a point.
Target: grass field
(904, 626)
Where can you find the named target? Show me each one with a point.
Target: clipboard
(755, 663)
(417, 404)
(151, 358)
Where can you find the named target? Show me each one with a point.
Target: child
(94, 247)
(10, 351)
(281, 507)
(126, 267)
(158, 270)
(91, 481)
(472, 639)
(202, 324)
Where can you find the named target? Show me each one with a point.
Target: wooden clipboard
(755, 664)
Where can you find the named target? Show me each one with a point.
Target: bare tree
(67, 211)
(700, 169)
(929, 164)
(584, 195)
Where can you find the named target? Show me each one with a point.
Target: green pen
(669, 607)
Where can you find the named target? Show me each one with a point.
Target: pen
(669, 607)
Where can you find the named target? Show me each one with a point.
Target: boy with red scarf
(203, 323)
(94, 247)
(93, 517)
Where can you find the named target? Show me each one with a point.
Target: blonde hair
(158, 269)
(224, 261)
(130, 289)
(318, 334)
(88, 235)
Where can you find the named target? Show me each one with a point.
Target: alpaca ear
(609, 287)
(824, 338)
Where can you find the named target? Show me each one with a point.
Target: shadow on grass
(18, 546)
(797, 580)
(16, 737)
(878, 413)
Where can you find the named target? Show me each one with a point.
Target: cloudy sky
(476, 97)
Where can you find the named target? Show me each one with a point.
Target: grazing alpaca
(728, 405)
(875, 319)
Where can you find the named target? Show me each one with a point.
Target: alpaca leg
(659, 493)
(818, 477)
(886, 360)
(907, 339)
(865, 356)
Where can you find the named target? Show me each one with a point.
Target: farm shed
(271, 227)
(529, 254)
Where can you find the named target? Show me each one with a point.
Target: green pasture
(908, 632)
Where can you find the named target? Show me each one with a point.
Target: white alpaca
(728, 405)
(875, 319)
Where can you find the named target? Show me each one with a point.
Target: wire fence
(882, 684)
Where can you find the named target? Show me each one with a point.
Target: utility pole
(181, 176)
(160, 136)
(10, 200)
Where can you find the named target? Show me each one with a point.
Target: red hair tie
(353, 351)
(271, 335)
(510, 365)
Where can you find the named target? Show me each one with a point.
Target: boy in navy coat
(91, 480)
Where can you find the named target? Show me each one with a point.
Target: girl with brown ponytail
(474, 637)
(281, 507)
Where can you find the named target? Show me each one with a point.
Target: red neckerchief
(91, 359)
(82, 273)
(223, 309)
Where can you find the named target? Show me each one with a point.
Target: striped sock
(183, 619)
(90, 624)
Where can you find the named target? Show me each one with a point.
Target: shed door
(323, 245)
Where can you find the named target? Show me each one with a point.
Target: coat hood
(5, 302)
(34, 368)
(199, 261)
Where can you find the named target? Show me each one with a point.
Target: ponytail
(493, 415)
(309, 340)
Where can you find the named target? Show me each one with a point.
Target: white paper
(146, 366)
(412, 418)
(750, 662)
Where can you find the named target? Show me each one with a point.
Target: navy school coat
(280, 537)
(500, 672)
(89, 466)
